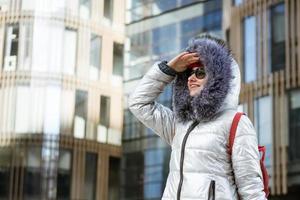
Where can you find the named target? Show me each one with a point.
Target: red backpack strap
(233, 128)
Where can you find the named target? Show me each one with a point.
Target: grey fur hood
(221, 91)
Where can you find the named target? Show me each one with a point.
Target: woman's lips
(194, 85)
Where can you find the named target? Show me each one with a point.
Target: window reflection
(263, 124)
(277, 31)
(114, 179)
(32, 175)
(95, 57)
(52, 110)
(85, 9)
(4, 5)
(108, 9)
(26, 33)
(164, 41)
(90, 175)
(80, 117)
(160, 6)
(22, 112)
(11, 47)
(249, 49)
(5, 160)
(64, 173)
(105, 110)
(294, 126)
(70, 50)
(118, 59)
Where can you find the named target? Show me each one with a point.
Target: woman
(206, 89)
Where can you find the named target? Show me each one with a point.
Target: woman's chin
(195, 91)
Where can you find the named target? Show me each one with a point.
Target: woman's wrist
(164, 67)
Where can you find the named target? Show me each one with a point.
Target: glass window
(90, 179)
(28, 4)
(72, 7)
(64, 173)
(108, 9)
(164, 42)
(160, 6)
(80, 118)
(70, 50)
(4, 5)
(277, 40)
(140, 45)
(25, 46)
(22, 111)
(294, 126)
(249, 49)
(95, 57)
(47, 49)
(114, 179)
(152, 190)
(32, 174)
(263, 124)
(11, 47)
(105, 111)
(85, 9)
(52, 110)
(118, 59)
(237, 2)
(5, 160)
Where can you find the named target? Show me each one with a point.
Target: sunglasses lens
(200, 73)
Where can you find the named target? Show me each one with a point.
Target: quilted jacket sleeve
(245, 162)
(152, 114)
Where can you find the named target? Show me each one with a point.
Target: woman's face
(195, 84)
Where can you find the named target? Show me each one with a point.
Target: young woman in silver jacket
(200, 165)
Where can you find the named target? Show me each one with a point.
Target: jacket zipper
(211, 191)
(182, 157)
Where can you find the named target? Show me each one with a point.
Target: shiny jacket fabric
(208, 171)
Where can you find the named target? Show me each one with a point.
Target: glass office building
(156, 30)
(264, 36)
(60, 83)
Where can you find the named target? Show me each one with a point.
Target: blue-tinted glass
(294, 126)
(238, 2)
(263, 124)
(140, 45)
(154, 173)
(164, 5)
(249, 49)
(164, 39)
(186, 2)
(194, 26)
(152, 190)
(277, 36)
(154, 157)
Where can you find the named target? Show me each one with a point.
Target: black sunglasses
(199, 73)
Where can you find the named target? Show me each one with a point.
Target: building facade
(60, 90)
(156, 30)
(264, 36)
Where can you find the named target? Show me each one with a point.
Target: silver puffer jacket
(200, 166)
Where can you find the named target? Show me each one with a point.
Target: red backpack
(261, 149)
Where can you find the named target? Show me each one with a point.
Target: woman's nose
(192, 77)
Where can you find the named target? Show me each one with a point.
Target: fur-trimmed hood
(220, 92)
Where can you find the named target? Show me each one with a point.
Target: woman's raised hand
(180, 62)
